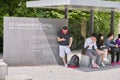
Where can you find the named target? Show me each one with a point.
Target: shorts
(64, 50)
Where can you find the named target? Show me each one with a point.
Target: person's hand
(69, 46)
(94, 40)
(116, 46)
(103, 46)
(109, 49)
(63, 39)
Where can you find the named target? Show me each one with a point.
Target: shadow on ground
(89, 69)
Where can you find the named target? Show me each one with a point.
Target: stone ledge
(3, 70)
(84, 59)
(18, 77)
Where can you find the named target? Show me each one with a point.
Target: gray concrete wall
(31, 41)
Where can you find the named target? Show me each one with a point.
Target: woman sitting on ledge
(102, 50)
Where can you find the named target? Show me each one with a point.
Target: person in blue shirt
(114, 49)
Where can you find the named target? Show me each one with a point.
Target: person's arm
(95, 46)
(86, 44)
(70, 43)
(98, 45)
(60, 39)
(116, 41)
(110, 44)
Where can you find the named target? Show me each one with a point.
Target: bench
(18, 77)
(84, 59)
(3, 70)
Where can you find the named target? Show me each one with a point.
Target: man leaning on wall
(65, 41)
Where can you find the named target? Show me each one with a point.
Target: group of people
(100, 48)
(96, 46)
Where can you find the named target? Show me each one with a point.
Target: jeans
(91, 53)
(115, 51)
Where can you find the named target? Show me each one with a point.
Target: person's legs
(112, 58)
(62, 54)
(101, 53)
(92, 62)
(67, 50)
(64, 61)
(89, 53)
(117, 58)
(113, 51)
(98, 60)
(105, 55)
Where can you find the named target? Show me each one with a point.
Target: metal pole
(66, 13)
(91, 21)
(66, 17)
(112, 21)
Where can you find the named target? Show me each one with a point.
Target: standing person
(117, 41)
(92, 50)
(102, 50)
(110, 44)
(65, 41)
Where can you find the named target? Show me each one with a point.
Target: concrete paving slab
(62, 73)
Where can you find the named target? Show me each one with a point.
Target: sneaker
(103, 64)
(113, 64)
(118, 63)
(66, 65)
(95, 66)
(106, 60)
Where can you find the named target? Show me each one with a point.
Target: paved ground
(58, 72)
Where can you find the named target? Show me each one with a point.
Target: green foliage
(102, 22)
(18, 8)
(75, 17)
(112, 0)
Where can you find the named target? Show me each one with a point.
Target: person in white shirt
(92, 50)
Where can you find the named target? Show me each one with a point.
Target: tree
(18, 8)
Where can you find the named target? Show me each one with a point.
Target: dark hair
(94, 35)
(65, 28)
(118, 35)
(99, 36)
(110, 34)
(99, 40)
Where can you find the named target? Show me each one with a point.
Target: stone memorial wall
(31, 41)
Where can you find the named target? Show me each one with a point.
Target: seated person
(92, 50)
(102, 50)
(117, 41)
(110, 44)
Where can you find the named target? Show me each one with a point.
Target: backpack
(84, 50)
(74, 61)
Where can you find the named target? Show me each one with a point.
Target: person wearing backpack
(65, 41)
